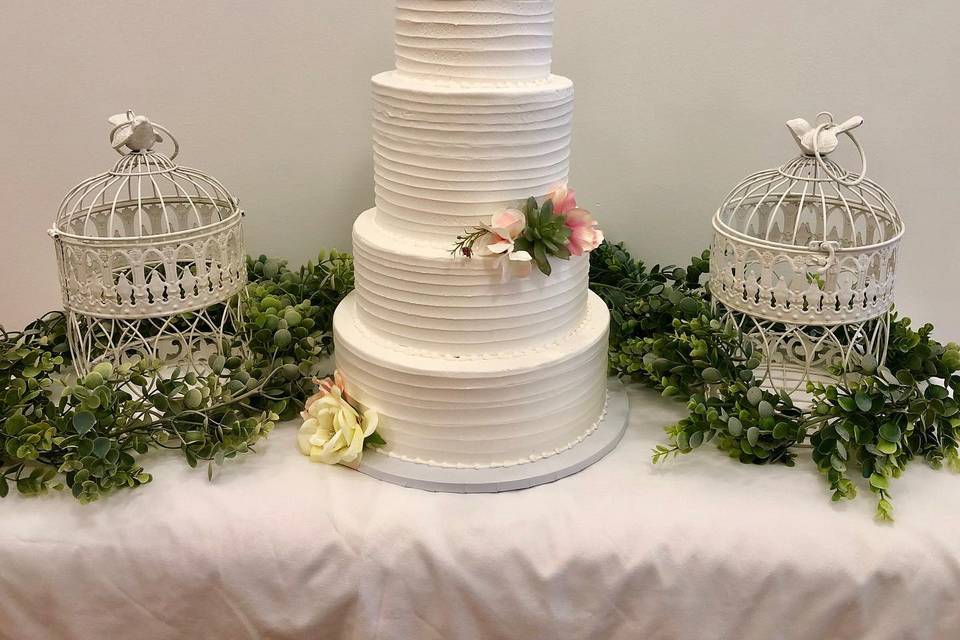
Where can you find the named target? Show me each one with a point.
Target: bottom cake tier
(477, 410)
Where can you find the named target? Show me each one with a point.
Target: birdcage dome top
(148, 238)
(812, 202)
(146, 194)
(808, 243)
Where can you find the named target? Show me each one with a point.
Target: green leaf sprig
(864, 429)
(88, 435)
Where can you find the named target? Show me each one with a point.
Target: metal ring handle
(826, 169)
(176, 145)
(830, 247)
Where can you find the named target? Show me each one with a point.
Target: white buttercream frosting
(475, 40)
(504, 463)
(467, 368)
(426, 299)
(447, 158)
(496, 411)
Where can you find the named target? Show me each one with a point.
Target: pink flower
(508, 225)
(505, 227)
(324, 387)
(584, 235)
(564, 199)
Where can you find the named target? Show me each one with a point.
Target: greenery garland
(666, 333)
(87, 435)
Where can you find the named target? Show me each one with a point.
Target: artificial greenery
(666, 333)
(288, 318)
(88, 434)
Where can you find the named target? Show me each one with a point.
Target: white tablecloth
(275, 547)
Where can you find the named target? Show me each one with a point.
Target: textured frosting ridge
(424, 299)
(478, 412)
(475, 40)
(448, 158)
(504, 463)
(465, 367)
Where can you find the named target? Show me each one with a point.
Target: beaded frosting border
(510, 463)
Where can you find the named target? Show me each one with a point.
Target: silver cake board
(521, 476)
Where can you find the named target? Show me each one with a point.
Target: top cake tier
(475, 41)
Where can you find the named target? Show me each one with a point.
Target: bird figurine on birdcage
(150, 256)
(803, 261)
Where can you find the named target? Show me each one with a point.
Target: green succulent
(545, 235)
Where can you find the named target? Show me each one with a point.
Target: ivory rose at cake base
(334, 431)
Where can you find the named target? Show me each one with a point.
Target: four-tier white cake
(467, 368)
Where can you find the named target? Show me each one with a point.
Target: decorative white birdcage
(804, 258)
(150, 254)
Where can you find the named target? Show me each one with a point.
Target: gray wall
(676, 101)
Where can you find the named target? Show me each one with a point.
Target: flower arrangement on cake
(519, 238)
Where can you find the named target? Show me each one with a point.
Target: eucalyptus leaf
(842, 430)
(782, 431)
(765, 409)
(735, 427)
(711, 375)
(887, 447)
(83, 421)
(15, 424)
(100, 447)
(890, 431)
(847, 403)
(696, 439)
(841, 450)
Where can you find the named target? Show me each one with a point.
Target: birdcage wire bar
(803, 260)
(151, 257)
(795, 354)
(184, 340)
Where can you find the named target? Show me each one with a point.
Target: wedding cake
(466, 366)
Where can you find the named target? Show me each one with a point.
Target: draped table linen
(276, 547)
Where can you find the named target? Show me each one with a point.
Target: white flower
(334, 431)
(505, 228)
